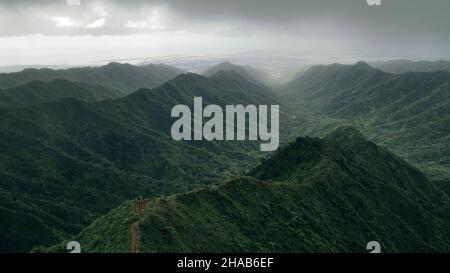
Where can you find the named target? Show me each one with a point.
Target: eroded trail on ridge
(133, 238)
(139, 207)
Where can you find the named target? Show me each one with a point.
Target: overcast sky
(62, 32)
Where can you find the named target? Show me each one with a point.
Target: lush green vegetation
(67, 162)
(37, 92)
(408, 113)
(69, 153)
(123, 77)
(248, 72)
(316, 195)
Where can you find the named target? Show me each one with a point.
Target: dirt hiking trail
(139, 207)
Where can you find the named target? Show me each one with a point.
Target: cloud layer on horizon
(414, 27)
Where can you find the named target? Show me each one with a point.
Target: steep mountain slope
(409, 113)
(248, 72)
(66, 162)
(403, 66)
(124, 77)
(40, 92)
(326, 83)
(316, 195)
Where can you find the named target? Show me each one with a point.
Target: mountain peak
(224, 66)
(363, 64)
(226, 63)
(301, 188)
(118, 64)
(295, 161)
(248, 72)
(292, 162)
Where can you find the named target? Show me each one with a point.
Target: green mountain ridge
(67, 162)
(403, 66)
(37, 92)
(248, 72)
(408, 113)
(329, 82)
(69, 154)
(316, 195)
(123, 77)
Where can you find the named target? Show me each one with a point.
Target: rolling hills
(316, 195)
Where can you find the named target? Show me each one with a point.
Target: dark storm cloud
(396, 17)
(399, 26)
(404, 18)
